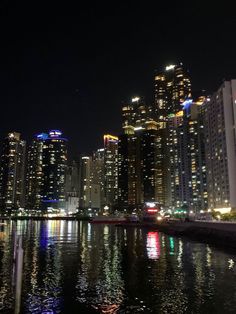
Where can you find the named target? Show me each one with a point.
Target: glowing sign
(150, 204)
(50, 201)
(42, 136)
(55, 133)
(170, 67)
(135, 99)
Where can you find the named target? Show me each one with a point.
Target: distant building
(186, 158)
(12, 172)
(98, 168)
(34, 173)
(91, 180)
(137, 171)
(85, 184)
(172, 88)
(220, 133)
(47, 161)
(72, 188)
(130, 191)
(110, 170)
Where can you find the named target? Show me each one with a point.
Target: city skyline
(72, 68)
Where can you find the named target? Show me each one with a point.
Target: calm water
(76, 267)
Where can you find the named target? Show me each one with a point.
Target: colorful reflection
(73, 267)
(153, 245)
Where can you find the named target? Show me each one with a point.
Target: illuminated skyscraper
(72, 187)
(12, 172)
(98, 167)
(220, 132)
(172, 88)
(186, 170)
(54, 161)
(34, 173)
(130, 192)
(110, 170)
(47, 160)
(85, 182)
(91, 178)
(137, 166)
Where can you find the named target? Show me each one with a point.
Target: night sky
(70, 66)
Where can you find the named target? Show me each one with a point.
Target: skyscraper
(186, 155)
(98, 167)
(47, 160)
(54, 161)
(172, 88)
(219, 122)
(72, 187)
(110, 170)
(85, 182)
(91, 178)
(12, 172)
(34, 172)
(137, 172)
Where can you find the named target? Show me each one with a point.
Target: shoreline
(216, 233)
(45, 218)
(222, 234)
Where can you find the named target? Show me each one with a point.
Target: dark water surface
(76, 267)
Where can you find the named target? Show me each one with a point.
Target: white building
(219, 120)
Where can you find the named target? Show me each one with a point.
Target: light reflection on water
(72, 267)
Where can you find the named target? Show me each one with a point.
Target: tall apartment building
(110, 170)
(137, 169)
(186, 155)
(85, 182)
(34, 172)
(91, 178)
(46, 170)
(98, 168)
(219, 122)
(12, 171)
(72, 187)
(172, 87)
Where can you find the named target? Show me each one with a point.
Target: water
(76, 267)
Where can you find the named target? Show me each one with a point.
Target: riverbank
(219, 233)
(45, 218)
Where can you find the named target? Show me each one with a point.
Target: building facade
(110, 170)
(46, 171)
(219, 123)
(12, 172)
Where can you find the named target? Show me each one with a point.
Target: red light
(153, 245)
(152, 210)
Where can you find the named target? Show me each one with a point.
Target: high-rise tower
(220, 134)
(12, 172)
(47, 159)
(110, 170)
(172, 88)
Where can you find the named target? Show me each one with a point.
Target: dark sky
(70, 66)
